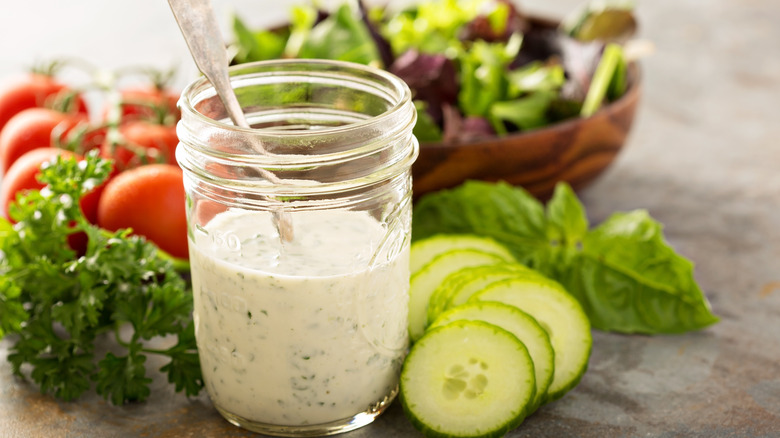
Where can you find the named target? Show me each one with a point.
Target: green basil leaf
(510, 215)
(567, 225)
(625, 275)
(567, 222)
(630, 280)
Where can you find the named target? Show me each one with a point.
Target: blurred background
(704, 49)
(113, 34)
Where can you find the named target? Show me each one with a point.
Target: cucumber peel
(424, 251)
(426, 280)
(470, 312)
(520, 324)
(468, 280)
(467, 379)
(484, 277)
(561, 316)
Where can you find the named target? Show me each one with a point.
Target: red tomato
(23, 176)
(141, 143)
(34, 128)
(32, 90)
(148, 103)
(205, 210)
(149, 199)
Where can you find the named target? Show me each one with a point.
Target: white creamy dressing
(302, 333)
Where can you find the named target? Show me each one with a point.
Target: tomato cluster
(41, 117)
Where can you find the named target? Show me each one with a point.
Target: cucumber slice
(520, 324)
(561, 316)
(425, 281)
(424, 251)
(467, 379)
(458, 287)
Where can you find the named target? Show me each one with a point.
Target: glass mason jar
(299, 234)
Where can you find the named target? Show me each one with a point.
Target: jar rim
(401, 89)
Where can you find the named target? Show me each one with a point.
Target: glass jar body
(300, 335)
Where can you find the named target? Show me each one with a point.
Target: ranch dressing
(304, 332)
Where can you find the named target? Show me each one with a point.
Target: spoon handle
(201, 32)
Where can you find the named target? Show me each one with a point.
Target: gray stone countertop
(703, 159)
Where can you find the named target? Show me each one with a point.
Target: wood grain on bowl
(576, 151)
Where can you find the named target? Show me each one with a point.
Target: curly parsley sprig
(56, 304)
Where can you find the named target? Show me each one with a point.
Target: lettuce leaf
(430, 26)
(341, 36)
(504, 73)
(624, 273)
(426, 129)
(257, 45)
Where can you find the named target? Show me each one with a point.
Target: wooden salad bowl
(576, 151)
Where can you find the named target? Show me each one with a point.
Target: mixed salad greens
(477, 68)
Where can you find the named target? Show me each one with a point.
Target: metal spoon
(199, 26)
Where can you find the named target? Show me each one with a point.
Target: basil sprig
(624, 273)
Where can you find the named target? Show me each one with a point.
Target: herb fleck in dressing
(299, 333)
